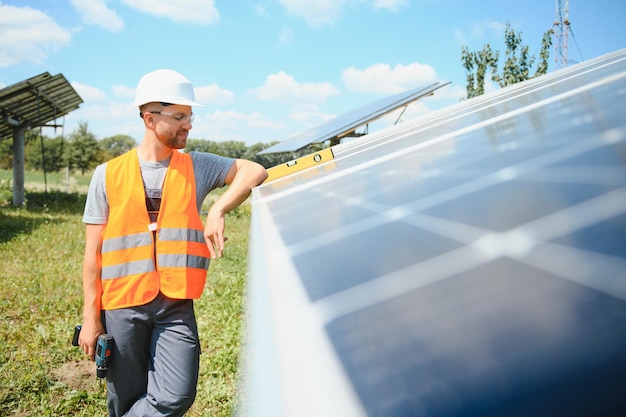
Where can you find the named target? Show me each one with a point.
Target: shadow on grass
(26, 219)
(11, 226)
(56, 202)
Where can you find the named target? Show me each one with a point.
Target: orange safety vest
(130, 276)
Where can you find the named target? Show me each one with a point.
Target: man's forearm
(247, 176)
(92, 289)
(91, 295)
(242, 177)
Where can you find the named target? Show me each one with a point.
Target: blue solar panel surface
(469, 263)
(501, 339)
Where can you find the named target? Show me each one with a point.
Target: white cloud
(460, 37)
(87, 93)
(261, 10)
(286, 36)
(99, 111)
(202, 12)
(96, 12)
(256, 120)
(210, 94)
(213, 94)
(250, 128)
(391, 5)
(124, 92)
(453, 92)
(487, 28)
(27, 34)
(308, 115)
(322, 12)
(480, 32)
(382, 79)
(316, 13)
(490, 85)
(283, 87)
(221, 120)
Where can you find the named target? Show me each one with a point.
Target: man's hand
(241, 178)
(92, 291)
(214, 233)
(89, 336)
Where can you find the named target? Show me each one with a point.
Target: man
(147, 252)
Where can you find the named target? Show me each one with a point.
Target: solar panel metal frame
(556, 129)
(348, 122)
(35, 102)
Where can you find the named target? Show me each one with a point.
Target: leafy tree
(31, 138)
(6, 153)
(84, 151)
(483, 61)
(52, 152)
(229, 148)
(201, 145)
(544, 54)
(116, 145)
(232, 148)
(517, 65)
(236, 149)
(268, 160)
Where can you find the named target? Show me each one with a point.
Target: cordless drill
(104, 348)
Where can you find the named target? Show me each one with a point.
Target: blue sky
(268, 69)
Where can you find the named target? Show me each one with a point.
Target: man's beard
(176, 143)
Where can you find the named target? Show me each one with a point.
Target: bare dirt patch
(78, 375)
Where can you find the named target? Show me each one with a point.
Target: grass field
(41, 249)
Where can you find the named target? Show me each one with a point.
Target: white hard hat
(165, 86)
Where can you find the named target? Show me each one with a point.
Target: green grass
(41, 249)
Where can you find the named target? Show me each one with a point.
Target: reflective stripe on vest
(178, 260)
(128, 268)
(190, 261)
(125, 242)
(129, 274)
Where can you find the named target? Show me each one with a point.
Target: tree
(31, 141)
(483, 61)
(544, 54)
(233, 148)
(6, 154)
(228, 148)
(116, 145)
(236, 149)
(84, 151)
(201, 145)
(80, 150)
(517, 65)
(53, 154)
(267, 160)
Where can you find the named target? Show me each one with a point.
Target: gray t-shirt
(209, 171)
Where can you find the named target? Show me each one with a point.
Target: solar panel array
(467, 263)
(346, 123)
(36, 101)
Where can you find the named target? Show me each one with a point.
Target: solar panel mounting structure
(467, 263)
(31, 103)
(345, 125)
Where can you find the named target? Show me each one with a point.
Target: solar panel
(467, 263)
(346, 123)
(35, 102)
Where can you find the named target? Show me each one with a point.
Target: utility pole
(561, 31)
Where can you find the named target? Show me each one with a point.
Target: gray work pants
(154, 365)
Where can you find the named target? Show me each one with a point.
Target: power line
(576, 42)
